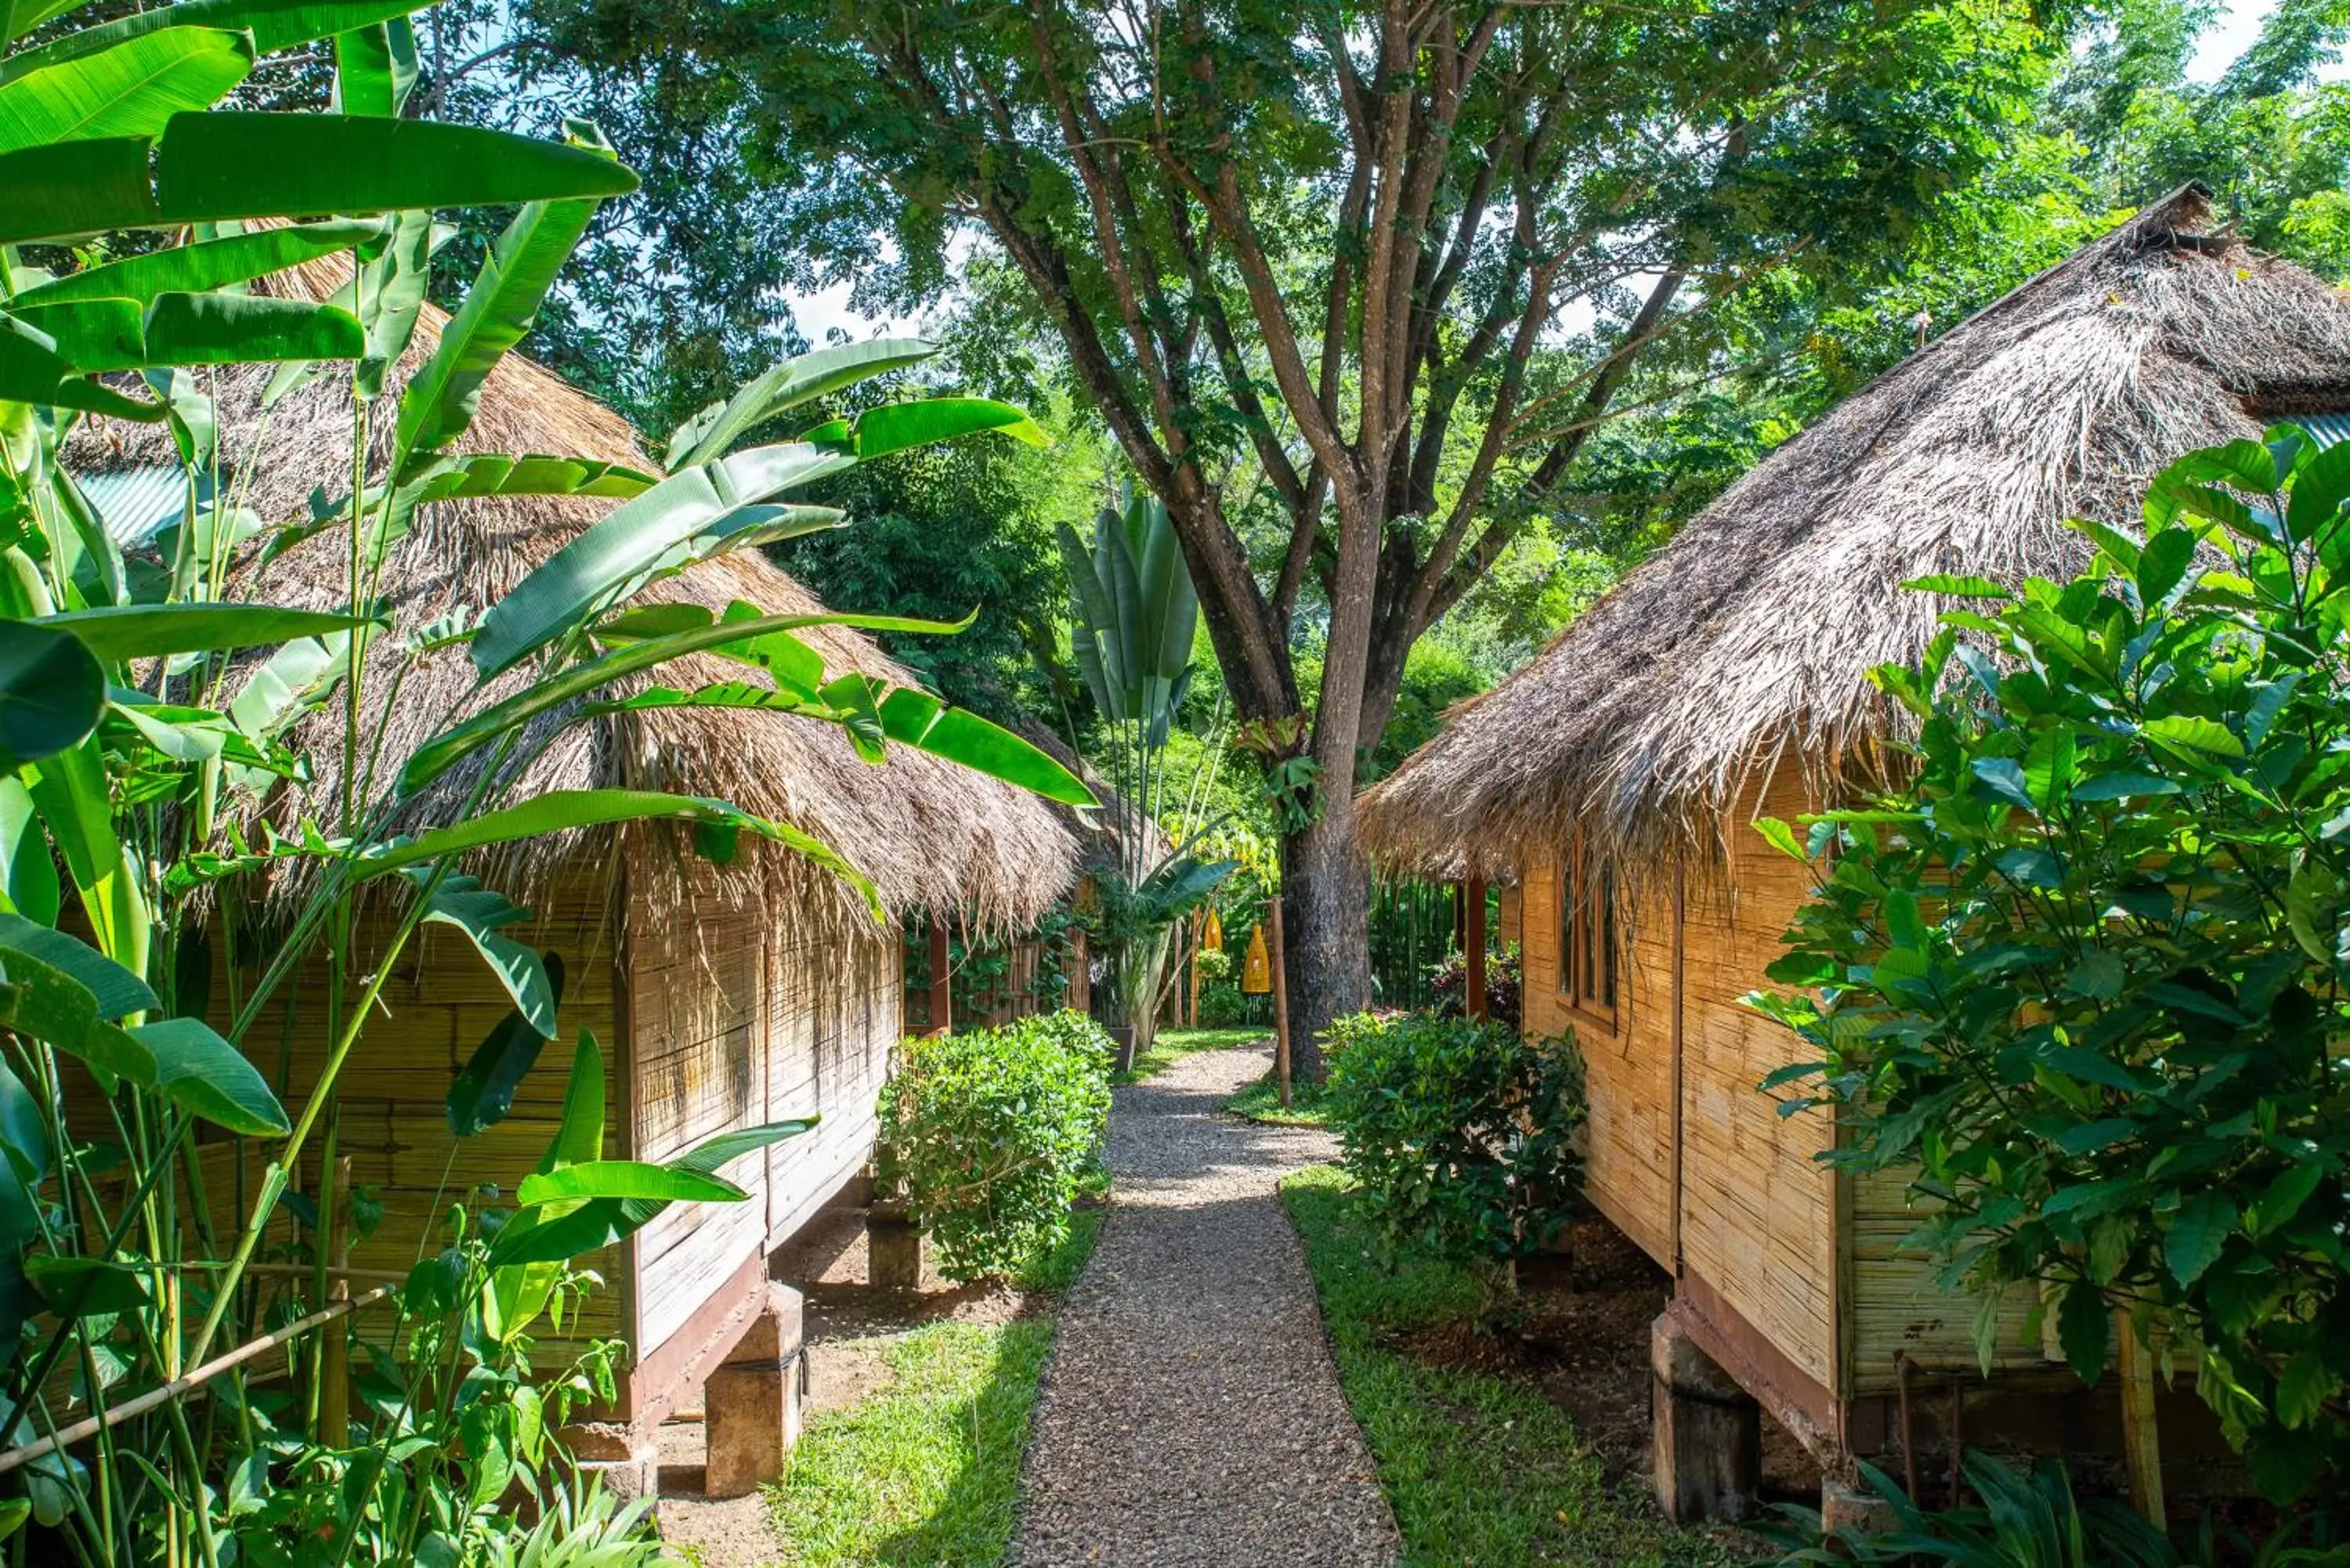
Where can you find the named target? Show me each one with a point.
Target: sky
(818, 314)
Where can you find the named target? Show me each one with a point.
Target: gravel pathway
(1190, 1414)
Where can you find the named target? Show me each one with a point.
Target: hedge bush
(992, 1131)
(1460, 1133)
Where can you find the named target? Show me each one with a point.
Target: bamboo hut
(1613, 776)
(722, 997)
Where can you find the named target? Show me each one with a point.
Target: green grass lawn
(1173, 1045)
(925, 1472)
(1481, 1470)
(1260, 1102)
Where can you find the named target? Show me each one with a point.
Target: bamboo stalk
(89, 1427)
(335, 1348)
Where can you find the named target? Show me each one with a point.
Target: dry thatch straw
(932, 836)
(1744, 645)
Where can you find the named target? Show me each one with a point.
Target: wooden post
(1198, 934)
(335, 1341)
(1473, 944)
(1706, 1434)
(941, 977)
(1280, 1005)
(2141, 1439)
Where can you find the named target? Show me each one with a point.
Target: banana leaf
(206, 264)
(711, 432)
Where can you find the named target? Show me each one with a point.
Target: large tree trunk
(1326, 919)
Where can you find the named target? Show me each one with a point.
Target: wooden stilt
(1198, 928)
(2141, 1439)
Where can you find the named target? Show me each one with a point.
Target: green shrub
(992, 1132)
(1460, 1133)
(1223, 1005)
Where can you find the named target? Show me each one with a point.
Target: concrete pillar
(895, 1249)
(751, 1406)
(627, 1461)
(1709, 1431)
(1844, 1507)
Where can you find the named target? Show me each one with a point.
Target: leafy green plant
(1460, 1132)
(1135, 615)
(2035, 1519)
(580, 1525)
(992, 1132)
(147, 777)
(2082, 974)
(2025, 1520)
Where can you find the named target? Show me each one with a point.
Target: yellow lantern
(1256, 971)
(1212, 939)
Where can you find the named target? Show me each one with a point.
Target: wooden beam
(941, 979)
(1473, 944)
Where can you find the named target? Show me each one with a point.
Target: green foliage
(580, 1526)
(992, 1131)
(2025, 1520)
(1224, 1005)
(956, 531)
(1504, 985)
(2083, 974)
(1460, 1133)
(2034, 1520)
(1479, 1469)
(1135, 616)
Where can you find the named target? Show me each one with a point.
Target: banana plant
(1133, 614)
(576, 1202)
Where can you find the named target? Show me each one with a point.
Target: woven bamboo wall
(1895, 1305)
(738, 1019)
(439, 1002)
(1628, 1060)
(697, 1039)
(836, 1010)
(1757, 1220)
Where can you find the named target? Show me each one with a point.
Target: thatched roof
(932, 836)
(1743, 646)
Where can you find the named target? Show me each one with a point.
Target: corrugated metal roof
(2328, 430)
(134, 504)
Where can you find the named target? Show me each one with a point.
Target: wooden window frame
(1590, 940)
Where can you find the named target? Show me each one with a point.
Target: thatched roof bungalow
(723, 998)
(1725, 677)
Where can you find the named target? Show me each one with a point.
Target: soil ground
(1580, 1331)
